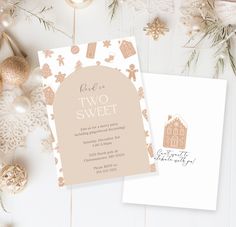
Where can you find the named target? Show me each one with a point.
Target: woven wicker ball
(0, 85)
(13, 178)
(14, 70)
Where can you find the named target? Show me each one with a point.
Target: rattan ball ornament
(13, 178)
(14, 70)
(0, 85)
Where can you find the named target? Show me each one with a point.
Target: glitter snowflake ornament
(156, 28)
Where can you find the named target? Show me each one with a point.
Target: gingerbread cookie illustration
(107, 43)
(91, 50)
(60, 77)
(46, 71)
(150, 150)
(61, 181)
(132, 72)
(110, 58)
(75, 49)
(144, 112)
(175, 133)
(127, 49)
(140, 93)
(78, 64)
(60, 60)
(153, 168)
(146, 133)
(48, 53)
(49, 95)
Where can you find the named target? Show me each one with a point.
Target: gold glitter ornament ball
(14, 70)
(13, 178)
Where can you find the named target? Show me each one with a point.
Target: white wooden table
(42, 203)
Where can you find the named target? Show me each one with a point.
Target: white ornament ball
(21, 104)
(3, 5)
(6, 20)
(195, 28)
(36, 77)
(79, 4)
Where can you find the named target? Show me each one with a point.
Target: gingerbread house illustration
(127, 49)
(175, 133)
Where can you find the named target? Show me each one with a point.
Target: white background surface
(42, 203)
(194, 185)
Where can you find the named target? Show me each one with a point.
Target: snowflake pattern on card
(120, 54)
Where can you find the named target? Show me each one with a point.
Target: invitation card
(186, 118)
(97, 112)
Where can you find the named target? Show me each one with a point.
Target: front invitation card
(97, 112)
(186, 118)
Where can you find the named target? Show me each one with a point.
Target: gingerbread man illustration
(60, 77)
(60, 60)
(132, 72)
(48, 53)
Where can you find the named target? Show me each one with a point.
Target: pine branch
(219, 67)
(113, 7)
(1, 203)
(45, 9)
(232, 61)
(48, 25)
(220, 37)
(193, 59)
